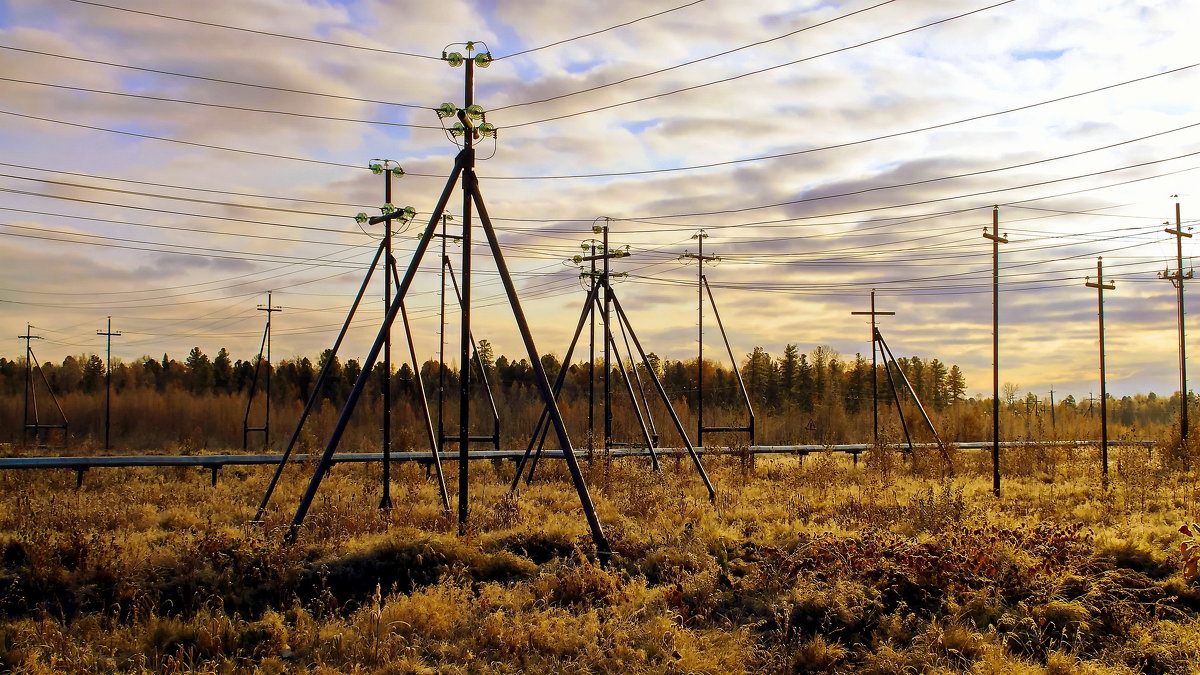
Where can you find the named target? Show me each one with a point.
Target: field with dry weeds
(817, 565)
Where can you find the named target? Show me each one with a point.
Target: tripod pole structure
(1100, 287)
(108, 334)
(996, 240)
(30, 397)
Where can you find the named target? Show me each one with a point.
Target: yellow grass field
(812, 565)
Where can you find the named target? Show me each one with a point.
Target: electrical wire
(836, 146)
(759, 71)
(597, 32)
(215, 79)
(693, 61)
(255, 153)
(253, 31)
(221, 106)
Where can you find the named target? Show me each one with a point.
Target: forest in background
(200, 403)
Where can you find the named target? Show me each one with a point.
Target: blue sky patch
(1038, 54)
(638, 127)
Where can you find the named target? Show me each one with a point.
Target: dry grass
(799, 566)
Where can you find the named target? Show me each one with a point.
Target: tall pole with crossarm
(108, 334)
(1100, 287)
(874, 368)
(996, 240)
(1176, 280)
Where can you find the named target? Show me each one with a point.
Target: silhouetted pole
(604, 281)
(28, 337)
(464, 359)
(875, 370)
(1100, 287)
(108, 382)
(270, 309)
(385, 167)
(591, 433)
(700, 260)
(1177, 281)
(996, 240)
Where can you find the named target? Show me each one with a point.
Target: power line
(222, 106)
(848, 144)
(602, 30)
(693, 61)
(174, 213)
(256, 32)
(248, 235)
(204, 250)
(184, 187)
(175, 198)
(759, 71)
(215, 79)
(916, 203)
(182, 142)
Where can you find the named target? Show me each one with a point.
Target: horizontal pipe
(210, 461)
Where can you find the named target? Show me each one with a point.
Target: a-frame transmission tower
(264, 351)
(879, 347)
(703, 289)
(463, 173)
(602, 282)
(35, 424)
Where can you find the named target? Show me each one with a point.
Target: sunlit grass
(800, 565)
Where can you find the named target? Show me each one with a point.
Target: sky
(170, 163)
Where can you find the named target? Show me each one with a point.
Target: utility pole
(388, 168)
(597, 281)
(270, 309)
(1100, 287)
(605, 280)
(1052, 408)
(592, 247)
(874, 368)
(464, 356)
(996, 240)
(28, 337)
(109, 334)
(441, 429)
(1176, 280)
(700, 259)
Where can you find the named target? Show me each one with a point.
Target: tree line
(795, 379)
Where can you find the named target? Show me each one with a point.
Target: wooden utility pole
(109, 334)
(996, 240)
(700, 259)
(1176, 278)
(1100, 287)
